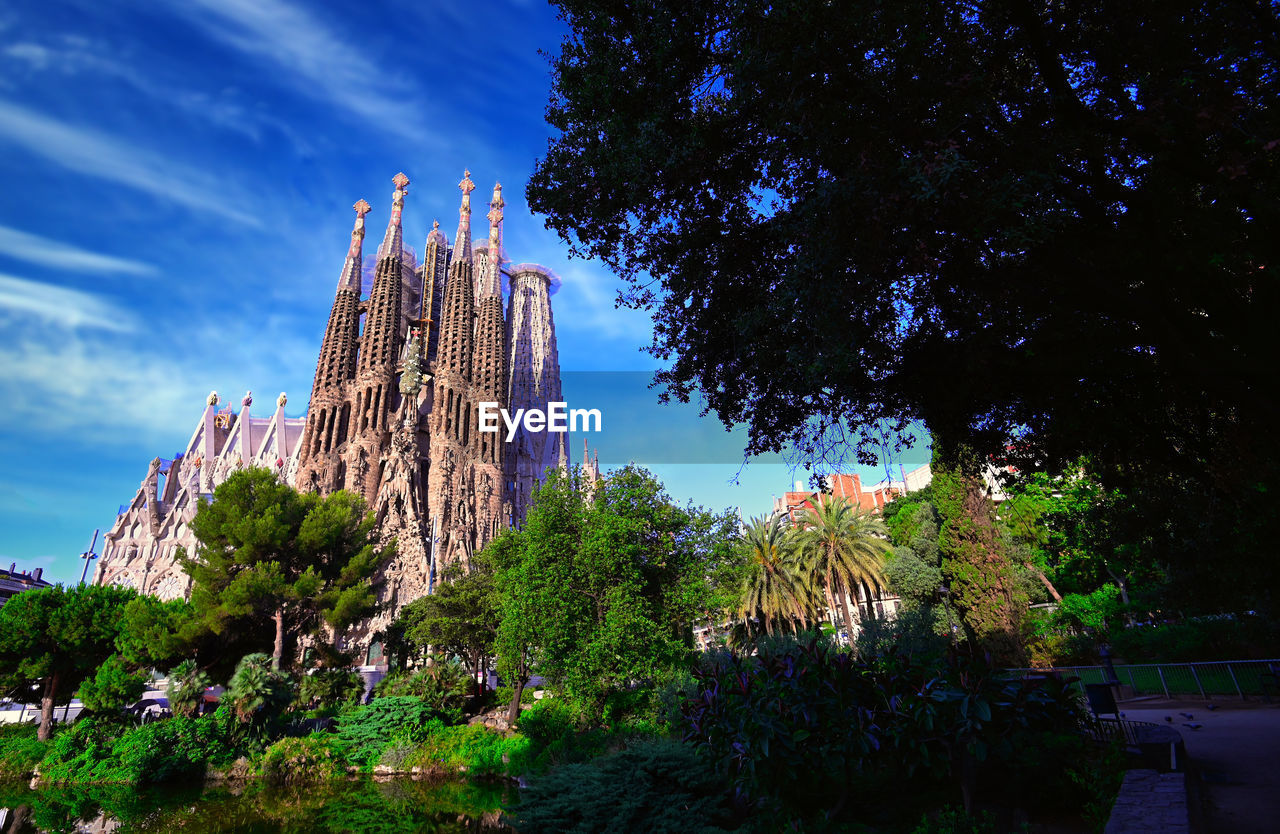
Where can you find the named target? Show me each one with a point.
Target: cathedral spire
(391, 243)
(350, 279)
(462, 243)
(493, 279)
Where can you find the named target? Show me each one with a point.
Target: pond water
(355, 807)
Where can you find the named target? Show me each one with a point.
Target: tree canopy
(272, 561)
(57, 638)
(603, 588)
(1043, 230)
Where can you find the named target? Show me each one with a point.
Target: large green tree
(607, 586)
(55, 639)
(459, 617)
(844, 549)
(1043, 229)
(776, 589)
(275, 563)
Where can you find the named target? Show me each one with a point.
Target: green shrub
(258, 694)
(82, 753)
(186, 686)
(325, 687)
(306, 759)
(444, 686)
(94, 750)
(112, 687)
(397, 753)
(155, 753)
(20, 750)
(478, 750)
(547, 721)
(363, 733)
(956, 821)
(656, 786)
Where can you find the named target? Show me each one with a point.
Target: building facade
(393, 413)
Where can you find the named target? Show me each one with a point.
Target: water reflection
(364, 805)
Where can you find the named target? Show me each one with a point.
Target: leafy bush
(82, 753)
(306, 759)
(258, 693)
(874, 724)
(444, 686)
(363, 733)
(474, 748)
(547, 721)
(655, 786)
(325, 687)
(956, 821)
(20, 750)
(766, 719)
(94, 750)
(397, 753)
(187, 683)
(156, 753)
(113, 687)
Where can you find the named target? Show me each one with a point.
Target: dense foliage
(606, 587)
(273, 561)
(1042, 230)
(953, 725)
(54, 639)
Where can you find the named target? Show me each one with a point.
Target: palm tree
(843, 547)
(776, 587)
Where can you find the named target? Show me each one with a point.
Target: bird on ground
(1211, 707)
(1192, 725)
(1186, 715)
(1169, 718)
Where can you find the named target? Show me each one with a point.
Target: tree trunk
(1052, 590)
(844, 610)
(513, 711)
(831, 606)
(277, 653)
(46, 706)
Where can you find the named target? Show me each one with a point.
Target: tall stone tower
(489, 377)
(393, 414)
(319, 463)
(451, 486)
(376, 392)
(534, 381)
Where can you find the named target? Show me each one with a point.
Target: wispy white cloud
(55, 253)
(316, 60)
(137, 388)
(61, 306)
(94, 154)
(75, 55)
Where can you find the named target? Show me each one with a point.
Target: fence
(1238, 678)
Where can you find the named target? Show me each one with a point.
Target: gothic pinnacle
(462, 243)
(493, 280)
(350, 278)
(391, 243)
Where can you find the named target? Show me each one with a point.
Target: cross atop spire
(350, 277)
(462, 243)
(391, 243)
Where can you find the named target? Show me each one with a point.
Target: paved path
(1237, 754)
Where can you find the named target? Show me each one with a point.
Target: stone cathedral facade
(393, 414)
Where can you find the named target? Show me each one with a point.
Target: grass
(1210, 678)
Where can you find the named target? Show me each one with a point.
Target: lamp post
(88, 556)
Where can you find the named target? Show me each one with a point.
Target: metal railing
(1231, 678)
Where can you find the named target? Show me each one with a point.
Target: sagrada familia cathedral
(393, 413)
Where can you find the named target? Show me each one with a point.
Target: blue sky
(177, 189)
